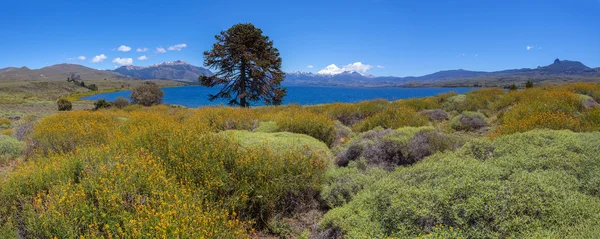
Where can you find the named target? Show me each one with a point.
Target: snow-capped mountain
(176, 70)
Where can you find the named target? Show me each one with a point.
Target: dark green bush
(147, 95)
(539, 183)
(120, 102)
(64, 104)
(101, 104)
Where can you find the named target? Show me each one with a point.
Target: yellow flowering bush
(393, 117)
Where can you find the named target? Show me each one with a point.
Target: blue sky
(387, 37)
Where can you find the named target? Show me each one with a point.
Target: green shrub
(267, 127)
(341, 184)
(436, 114)
(522, 185)
(64, 104)
(10, 148)
(225, 118)
(298, 120)
(5, 123)
(389, 148)
(393, 117)
(454, 103)
(469, 121)
(147, 95)
(258, 174)
(121, 102)
(101, 104)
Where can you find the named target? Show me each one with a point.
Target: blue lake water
(195, 96)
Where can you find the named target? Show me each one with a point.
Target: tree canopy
(248, 67)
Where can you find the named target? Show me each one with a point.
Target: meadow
(486, 164)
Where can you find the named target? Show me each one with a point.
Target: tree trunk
(242, 89)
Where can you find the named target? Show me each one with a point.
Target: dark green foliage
(92, 87)
(64, 104)
(120, 102)
(529, 84)
(537, 184)
(101, 104)
(248, 66)
(512, 87)
(147, 95)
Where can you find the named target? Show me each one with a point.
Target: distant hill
(177, 70)
(558, 72)
(55, 72)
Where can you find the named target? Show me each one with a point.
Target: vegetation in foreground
(487, 164)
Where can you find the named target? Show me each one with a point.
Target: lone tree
(529, 84)
(247, 65)
(147, 95)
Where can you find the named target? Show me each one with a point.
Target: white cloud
(124, 48)
(177, 47)
(99, 58)
(81, 58)
(161, 50)
(529, 47)
(71, 59)
(141, 58)
(310, 66)
(380, 66)
(123, 61)
(142, 49)
(356, 66)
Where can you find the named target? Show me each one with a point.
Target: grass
(375, 169)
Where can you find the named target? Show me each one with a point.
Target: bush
(389, 148)
(299, 120)
(149, 170)
(5, 123)
(120, 102)
(64, 105)
(23, 130)
(10, 148)
(342, 184)
(63, 133)
(147, 95)
(392, 117)
(468, 121)
(530, 184)
(350, 114)
(101, 104)
(226, 118)
(436, 115)
(454, 103)
(538, 108)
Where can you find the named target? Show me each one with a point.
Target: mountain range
(558, 71)
(177, 70)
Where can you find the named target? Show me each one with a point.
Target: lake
(195, 96)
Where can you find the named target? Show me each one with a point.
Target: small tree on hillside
(64, 104)
(121, 102)
(529, 84)
(147, 95)
(512, 87)
(248, 67)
